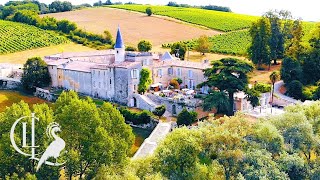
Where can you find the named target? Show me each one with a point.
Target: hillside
(15, 37)
(134, 26)
(223, 21)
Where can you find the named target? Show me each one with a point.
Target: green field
(234, 43)
(223, 21)
(15, 37)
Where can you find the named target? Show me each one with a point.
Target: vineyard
(234, 43)
(222, 21)
(16, 37)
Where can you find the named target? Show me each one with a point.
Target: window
(145, 62)
(190, 73)
(160, 72)
(134, 73)
(170, 71)
(179, 72)
(98, 73)
(93, 72)
(94, 84)
(99, 84)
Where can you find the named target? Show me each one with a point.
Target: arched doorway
(174, 109)
(133, 102)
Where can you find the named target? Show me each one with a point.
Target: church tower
(119, 48)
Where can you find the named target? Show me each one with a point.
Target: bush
(149, 11)
(159, 111)
(186, 118)
(262, 87)
(131, 48)
(144, 46)
(294, 89)
(174, 83)
(316, 95)
(136, 118)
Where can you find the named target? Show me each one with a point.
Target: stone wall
(172, 106)
(10, 85)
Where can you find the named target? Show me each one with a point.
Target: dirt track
(134, 26)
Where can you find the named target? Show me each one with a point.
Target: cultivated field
(16, 37)
(223, 21)
(134, 26)
(21, 57)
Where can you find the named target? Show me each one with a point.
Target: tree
(252, 95)
(108, 36)
(203, 44)
(12, 162)
(290, 70)
(294, 89)
(93, 136)
(179, 80)
(277, 38)
(35, 74)
(108, 2)
(228, 75)
(149, 11)
(218, 100)
(179, 50)
(259, 51)
(66, 26)
(144, 46)
(274, 77)
(174, 83)
(177, 158)
(159, 111)
(145, 80)
(186, 118)
(294, 47)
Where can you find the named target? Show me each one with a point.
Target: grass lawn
(140, 136)
(7, 98)
(262, 76)
(21, 57)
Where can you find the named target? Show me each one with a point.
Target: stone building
(113, 75)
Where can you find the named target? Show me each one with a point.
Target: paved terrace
(151, 143)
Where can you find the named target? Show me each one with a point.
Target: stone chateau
(113, 75)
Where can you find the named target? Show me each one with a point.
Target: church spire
(119, 41)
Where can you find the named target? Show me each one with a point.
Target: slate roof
(167, 56)
(119, 41)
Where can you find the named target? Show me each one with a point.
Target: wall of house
(103, 83)
(54, 75)
(197, 76)
(75, 80)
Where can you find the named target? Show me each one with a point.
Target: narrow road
(277, 93)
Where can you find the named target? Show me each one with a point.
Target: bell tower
(119, 48)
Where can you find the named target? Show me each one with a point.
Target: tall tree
(274, 77)
(259, 51)
(294, 47)
(203, 44)
(35, 74)
(179, 50)
(277, 38)
(93, 136)
(228, 75)
(145, 80)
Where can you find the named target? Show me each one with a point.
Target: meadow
(222, 21)
(16, 37)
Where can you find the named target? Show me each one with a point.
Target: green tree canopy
(35, 74)
(179, 50)
(144, 46)
(204, 44)
(186, 118)
(145, 80)
(259, 51)
(149, 11)
(230, 75)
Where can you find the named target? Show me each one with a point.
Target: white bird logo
(55, 147)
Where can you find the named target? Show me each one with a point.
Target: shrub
(294, 89)
(174, 83)
(262, 87)
(136, 118)
(149, 11)
(131, 48)
(179, 80)
(316, 95)
(186, 118)
(159, 111)
(144, 46)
